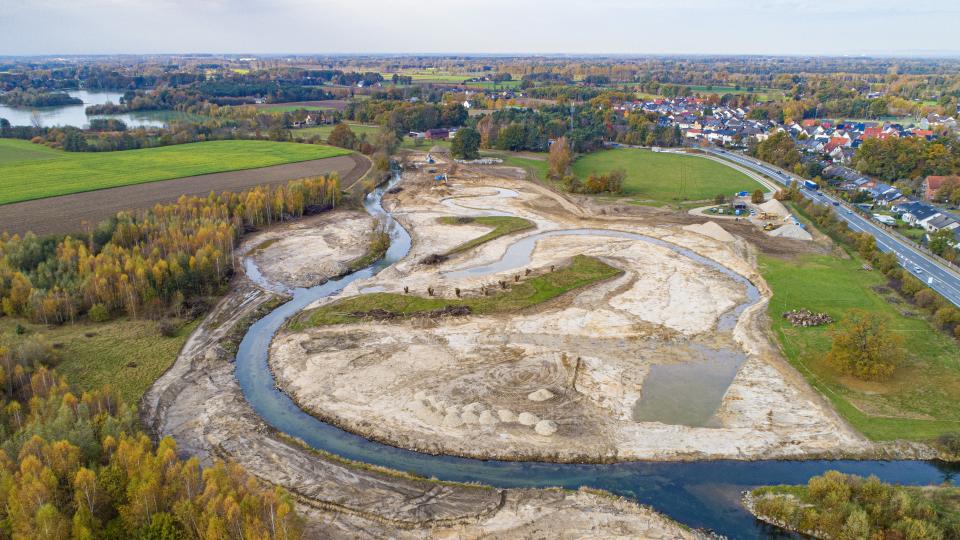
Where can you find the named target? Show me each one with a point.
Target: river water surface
(699, 493)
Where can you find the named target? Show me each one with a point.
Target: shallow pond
(688, 393)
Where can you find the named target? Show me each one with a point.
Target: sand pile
(546, 427)
(540, 395)
(712, 230)
(774, 206)
(791, 230)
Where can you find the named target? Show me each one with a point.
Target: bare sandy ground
(199, 402)
(306, 252)
(559, 382)
(523, 362)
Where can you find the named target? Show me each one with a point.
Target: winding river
(699, 494)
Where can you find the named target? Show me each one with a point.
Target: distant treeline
(403, 117)
(36, 98)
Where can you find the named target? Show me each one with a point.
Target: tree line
(908, 158)
(403, 117)
(145, 263)
(36, 98)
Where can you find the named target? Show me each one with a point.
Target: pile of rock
(805, 317)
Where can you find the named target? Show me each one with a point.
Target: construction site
(668, 359)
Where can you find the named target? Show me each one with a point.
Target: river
(699, 494)
(75, 115)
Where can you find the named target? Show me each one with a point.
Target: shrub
(168, 327)
(342, 136)
(99, 313)
(951, 442)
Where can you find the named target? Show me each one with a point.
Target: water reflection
(75, 115)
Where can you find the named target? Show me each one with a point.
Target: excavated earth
(199, 402)
(558, 381)
(562, 381)
(305, 252)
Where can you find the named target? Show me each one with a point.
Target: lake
(75, 115)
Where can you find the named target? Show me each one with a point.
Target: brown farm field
(67, 213)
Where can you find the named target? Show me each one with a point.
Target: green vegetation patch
(665, 177)
(324, 131)
(127, 354)
(537, 169)
(73, 172)
(581, 272)
(502, 225)
(15, 151)
(920, 401)
(836, 505)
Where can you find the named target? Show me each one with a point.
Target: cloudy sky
(834, 27)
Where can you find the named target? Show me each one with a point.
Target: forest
(76, 466)
(144, 264)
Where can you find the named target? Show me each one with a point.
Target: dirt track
(66, 214)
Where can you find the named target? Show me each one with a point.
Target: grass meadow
(29, 171)
(667, 178)
(920, 401)
(127, 354)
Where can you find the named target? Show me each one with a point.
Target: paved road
(921, 265)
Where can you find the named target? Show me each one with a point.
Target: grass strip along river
(702, 494)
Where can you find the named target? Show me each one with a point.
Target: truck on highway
(811, 185)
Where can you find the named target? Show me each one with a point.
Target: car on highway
(918, 270)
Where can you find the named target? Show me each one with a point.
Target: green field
(502, 225)
(581, 272)
(664, 178)
(920, 401)
(19, 151)
(423, 145)
(324, 131)
(290, 108)
(60, 173)
(127, 354)
(490, 85)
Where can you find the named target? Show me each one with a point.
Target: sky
(764, 27)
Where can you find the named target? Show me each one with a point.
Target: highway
(922, 266)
